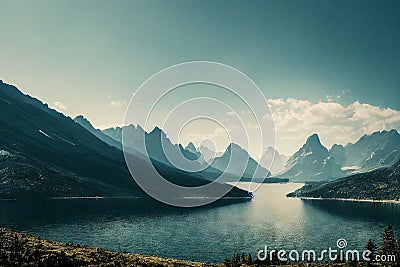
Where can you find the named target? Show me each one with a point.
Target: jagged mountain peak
(139, 128)
(313, 140)
(379, 134)
(313, 145)
(157, 132)
(312, 162)
(271, 149)
(190, 146)
(80, 119)
(336, 146)
(207, 153)
(387, 132)
(234, 147)
(234, 158)
(378, 149)
(55, 157)
(156, 129)
(237, 151)
(273, 160)
(85, 123)
(338, 152)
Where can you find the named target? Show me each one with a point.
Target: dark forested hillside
(380, 184)
(46, 154)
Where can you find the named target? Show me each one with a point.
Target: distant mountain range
(156, 143)
(82, 121)
(243, 167)
(379, 184)
(315, 163)
(46, 154)
(371, 166)
(208, 154)
(312, 162)
(192, 149)
(371, 151)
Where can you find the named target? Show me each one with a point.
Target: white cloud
(117, 104)
(59, 106)
(329, 98)
(296, 119)
(276, 102)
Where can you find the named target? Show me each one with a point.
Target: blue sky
(88, 57)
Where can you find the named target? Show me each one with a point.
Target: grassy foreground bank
(17, 249)
(23, 250)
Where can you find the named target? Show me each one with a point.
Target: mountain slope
(135, 133)
(311, 162)
(207, 153)
(338, 153)
(46, 154)
(190, 147)
(379, 184)
(156, 142)
(272, 156)
(161, 149)
(238, 157)
(376, 150)
(82, 121)
(53, 156)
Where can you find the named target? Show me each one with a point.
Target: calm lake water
(203, 234)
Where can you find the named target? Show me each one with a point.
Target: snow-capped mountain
(379, 184)
(50, 155)
(312, 162)
(45, 154)
(372, 151)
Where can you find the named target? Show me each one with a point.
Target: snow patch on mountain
(5, 153)
(45, 134)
